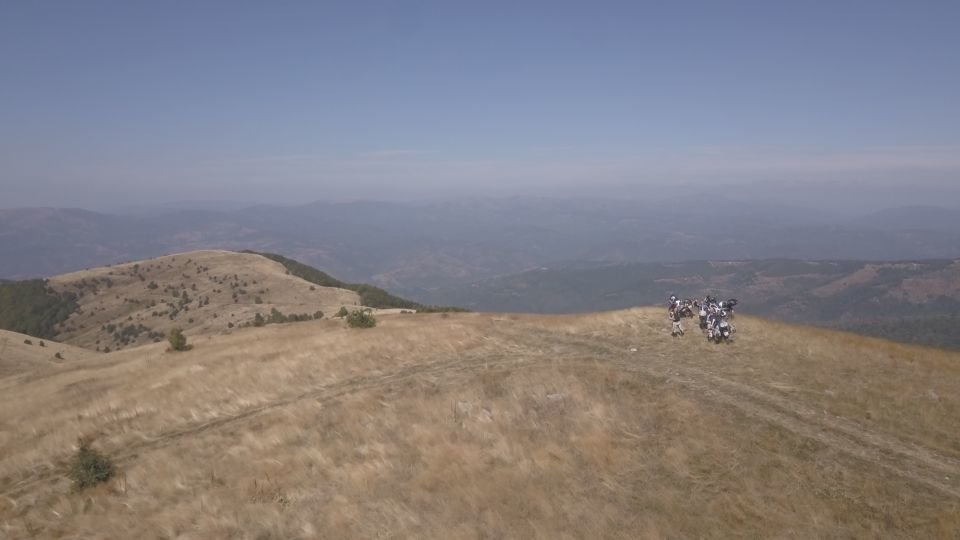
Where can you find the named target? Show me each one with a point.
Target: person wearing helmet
(673, 304)
(677, 329)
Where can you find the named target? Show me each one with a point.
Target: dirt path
(520, 346)
(904, 459)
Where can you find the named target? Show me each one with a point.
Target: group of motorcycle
(715, 315)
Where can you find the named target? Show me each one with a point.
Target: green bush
(276, 317)
(361, 319)
(343, 312)
(32, 307)
(89, 467)
(178, 341)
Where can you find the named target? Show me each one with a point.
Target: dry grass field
(199, 291)
(491, 426)
(19, 353)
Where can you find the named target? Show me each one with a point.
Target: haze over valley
(479, 270)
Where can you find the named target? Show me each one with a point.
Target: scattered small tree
(259, 320)
(343, 312)
(178, 341)
(258, 300)
(89, 467)
(59, 356)
(318, 315)
(361, 319)
(276, 317)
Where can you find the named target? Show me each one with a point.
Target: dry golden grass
(17, 356)
(492, 426)
(211, 274)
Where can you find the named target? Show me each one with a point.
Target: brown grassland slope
(20, 352)
(201, 292)
(492, 426)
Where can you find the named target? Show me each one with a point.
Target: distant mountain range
(415, 248)
(911, 218)
(917, 302)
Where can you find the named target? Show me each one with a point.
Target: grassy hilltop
(472, 425)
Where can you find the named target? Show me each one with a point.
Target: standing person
(677, 329)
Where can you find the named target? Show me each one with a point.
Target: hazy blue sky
(131, 102)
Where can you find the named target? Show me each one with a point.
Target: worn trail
(514, 346)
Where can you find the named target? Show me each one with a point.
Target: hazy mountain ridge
(416, 246)
(914, 301)
(911, 218)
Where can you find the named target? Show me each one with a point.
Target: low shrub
(178, 341)
(89, 467)
(361, 319)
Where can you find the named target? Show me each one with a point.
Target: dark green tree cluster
(278, 317)
(32, 307)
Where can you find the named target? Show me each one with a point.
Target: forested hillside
(32, 307)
